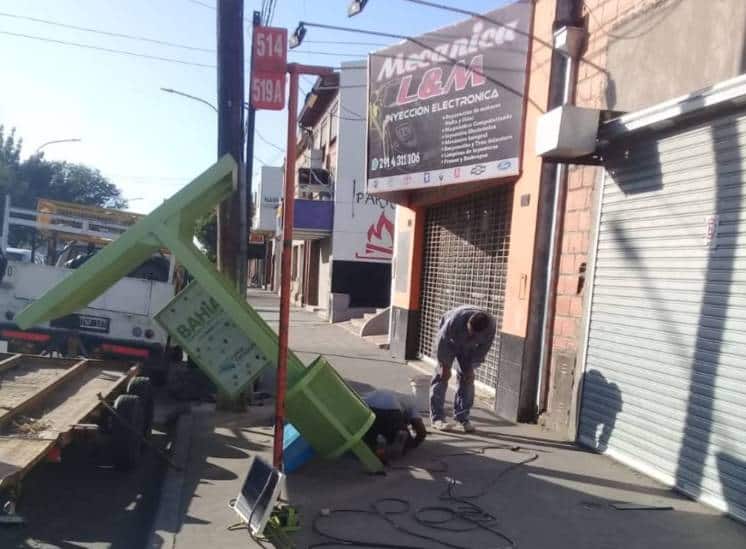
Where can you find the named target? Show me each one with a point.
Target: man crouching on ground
(398, 426)
(465, 334)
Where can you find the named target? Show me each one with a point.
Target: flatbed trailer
(46, 403)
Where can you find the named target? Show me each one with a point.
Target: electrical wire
(105, 32)
(382, 44)
(271, 6)
(203, 4)
(652, 22)
(424, 45)
(267, 141)
(328, 53)
(435, 517)
(358, 117)
(108, 50)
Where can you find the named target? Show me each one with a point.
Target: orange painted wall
(409, 224)
(523, 223)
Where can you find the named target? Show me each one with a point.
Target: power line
(419, 42)
(272, 8)
(358, 117)
(331, 54)
(268, 142)
(108, 50)
(203, 4)
(105, 33)
(346, 43)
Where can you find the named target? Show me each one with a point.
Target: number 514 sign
(269, 63)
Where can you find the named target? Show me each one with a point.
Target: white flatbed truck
(118, 324)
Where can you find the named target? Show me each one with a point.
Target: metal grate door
(465, 263)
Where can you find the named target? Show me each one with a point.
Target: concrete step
(347, 325)
(368, 316)
(357, 323)
(380, 341)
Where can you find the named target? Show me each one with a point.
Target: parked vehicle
(48, 403)
(119, 323)
(22, 255)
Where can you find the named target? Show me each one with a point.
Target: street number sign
(268, 90)
(268, 66)
(270, 49)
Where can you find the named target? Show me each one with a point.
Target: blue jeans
(464, 394)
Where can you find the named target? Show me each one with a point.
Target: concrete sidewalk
(561, 499)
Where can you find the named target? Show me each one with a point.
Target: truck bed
(41, 401)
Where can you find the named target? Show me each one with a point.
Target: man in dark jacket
(465, 334)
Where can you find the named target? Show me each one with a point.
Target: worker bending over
(465, 334)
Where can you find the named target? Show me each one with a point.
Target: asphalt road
(83, 502)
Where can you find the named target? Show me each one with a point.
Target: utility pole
(251, 115)
(232, 229)
(230, 132)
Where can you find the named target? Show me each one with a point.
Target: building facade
(616, 274)
(648, 332)
(472, 241)
(341, 266)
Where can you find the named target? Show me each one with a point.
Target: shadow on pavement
(84, 502)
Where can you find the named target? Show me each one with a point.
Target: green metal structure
(171, 226)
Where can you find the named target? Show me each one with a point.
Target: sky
(148, 142)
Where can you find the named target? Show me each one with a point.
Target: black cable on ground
(436, 517)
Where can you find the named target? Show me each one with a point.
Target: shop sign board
(447, 108)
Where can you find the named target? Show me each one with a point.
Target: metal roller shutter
(665, 374)
(465, 263)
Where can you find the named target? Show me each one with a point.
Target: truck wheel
(125, 429)
(143, 388)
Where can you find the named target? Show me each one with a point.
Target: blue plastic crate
(295, 450)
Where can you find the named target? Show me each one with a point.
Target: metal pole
(71, 140)
(230, 140)
(288, 208)
(230, 126)
(250, 119)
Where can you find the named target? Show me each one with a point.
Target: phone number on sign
(395, 161)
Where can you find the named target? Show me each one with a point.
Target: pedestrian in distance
(398, 426)
(465, 334)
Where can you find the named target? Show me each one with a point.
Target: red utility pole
(288, 209)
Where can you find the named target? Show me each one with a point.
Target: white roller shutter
(665, 373)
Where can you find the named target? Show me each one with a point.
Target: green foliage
(206, 231)
(28, 180)
(10, 153)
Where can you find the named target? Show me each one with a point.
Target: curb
(168, 517)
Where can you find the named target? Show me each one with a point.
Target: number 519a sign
(269, 63)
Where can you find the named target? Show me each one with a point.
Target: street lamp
(298, 34)
(355, 7)
(188, 96)
(70, 140)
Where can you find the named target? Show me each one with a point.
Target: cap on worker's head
(478, 322)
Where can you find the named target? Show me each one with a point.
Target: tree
(68, 182)
(37, 177)
(34, 178)
(207, 234)
(10, 153)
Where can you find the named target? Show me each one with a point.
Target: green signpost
(225, 336)
(211, 338)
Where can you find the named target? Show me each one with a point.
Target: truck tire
(126, 425)
(142, 387)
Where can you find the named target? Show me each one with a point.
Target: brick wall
(602, 16)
